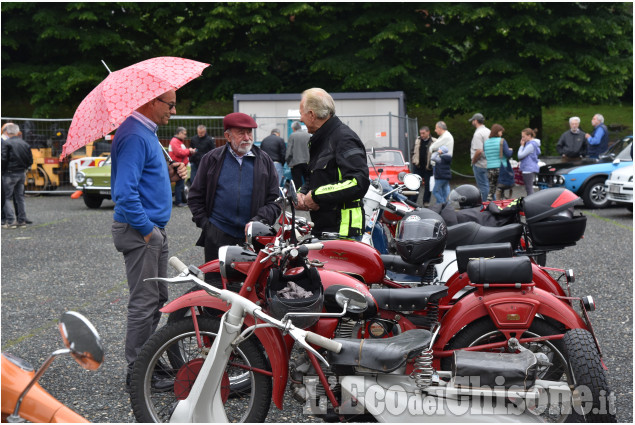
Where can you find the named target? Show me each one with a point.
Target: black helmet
(420, 236)
(278, 305)
(467, 196)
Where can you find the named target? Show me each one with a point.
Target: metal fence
(378, 131)
(47, 137)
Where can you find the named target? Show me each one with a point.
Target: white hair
(319, 101)
(600, 118)
(12, 129)
(574, 119)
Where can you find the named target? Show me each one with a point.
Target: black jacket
(338, 179)
(16, 156)
(275, 147)
(202, 193)
(202, 145)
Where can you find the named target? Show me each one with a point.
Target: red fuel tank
(353, 258)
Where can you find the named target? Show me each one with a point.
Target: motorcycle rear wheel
(173, 351)
(586, 368)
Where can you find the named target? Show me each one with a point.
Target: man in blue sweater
(140, 181)
(598, 140)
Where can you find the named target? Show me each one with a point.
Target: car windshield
(625, 154)
(386, 158)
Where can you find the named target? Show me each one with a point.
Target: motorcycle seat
(381, 354)
(396, 264)
(500, 270)
(407, 299)
(473, 233)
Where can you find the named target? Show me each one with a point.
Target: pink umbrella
(123, 91)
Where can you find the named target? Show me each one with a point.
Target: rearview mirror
(356, 300)
(81, 337)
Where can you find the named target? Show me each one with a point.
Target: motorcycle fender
(544, 281)
(508, 309)
(210, 267)
(270, 338)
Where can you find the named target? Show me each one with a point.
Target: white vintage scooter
(371, 373)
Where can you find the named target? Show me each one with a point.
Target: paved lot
(66, 261)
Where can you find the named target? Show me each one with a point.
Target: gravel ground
(66, 261)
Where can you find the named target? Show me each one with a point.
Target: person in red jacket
(179, 153)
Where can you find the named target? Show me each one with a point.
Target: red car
(390, 161)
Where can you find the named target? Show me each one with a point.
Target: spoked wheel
(174, 353)
(483, 331)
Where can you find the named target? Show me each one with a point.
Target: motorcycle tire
(484, 331)
(586, 367)
(247, 395)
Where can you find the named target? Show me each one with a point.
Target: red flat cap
(238, 120)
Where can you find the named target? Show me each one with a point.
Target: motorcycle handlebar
(319, 340)
(177, 264)
(410, 203)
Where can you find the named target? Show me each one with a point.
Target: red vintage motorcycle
(483, 319)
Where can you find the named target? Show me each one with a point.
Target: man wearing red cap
(235, 184)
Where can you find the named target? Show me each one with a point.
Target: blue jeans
(482, 181)
(13, 184)
(280, 170)
(179, 189)
(193, 170)
(441, 190)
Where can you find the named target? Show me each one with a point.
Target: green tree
(514, 59)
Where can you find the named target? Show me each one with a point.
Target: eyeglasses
(170, 104)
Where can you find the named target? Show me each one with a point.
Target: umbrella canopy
(122, 92)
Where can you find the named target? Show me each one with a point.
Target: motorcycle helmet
(278, 305)
(421, 235)
(467, 196)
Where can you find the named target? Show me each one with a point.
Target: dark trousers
(427, 191)
(299, 173)
(215, 238)
(13, 191)
(143, 260)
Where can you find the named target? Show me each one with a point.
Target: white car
(619, 187)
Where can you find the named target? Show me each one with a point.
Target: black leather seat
(408, 298)
(474, 233)
(381, 354)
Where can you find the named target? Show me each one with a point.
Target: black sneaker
(161, 384)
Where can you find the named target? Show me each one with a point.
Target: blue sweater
(232, 203)
(140, 180)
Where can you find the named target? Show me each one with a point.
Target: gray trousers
(143, 260)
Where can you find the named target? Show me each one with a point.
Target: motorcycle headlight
(80, 177)
(89, 182)
(554, 179)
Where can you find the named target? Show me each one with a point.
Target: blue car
(586, 177)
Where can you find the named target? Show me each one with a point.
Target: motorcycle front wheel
(558, 352)
(174, 354)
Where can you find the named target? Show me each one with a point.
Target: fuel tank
(354, 258)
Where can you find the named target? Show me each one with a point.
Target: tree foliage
(499, 58)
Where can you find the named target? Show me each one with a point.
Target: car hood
(96, 171)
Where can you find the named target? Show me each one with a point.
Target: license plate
(614, 188)
(104, 192)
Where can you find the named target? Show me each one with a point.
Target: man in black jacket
(274, 146)
(16, 160)
(203, 143)
(338, 173)
(237, 184)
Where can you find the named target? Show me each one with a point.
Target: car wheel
(594, 195)
(92, 201)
